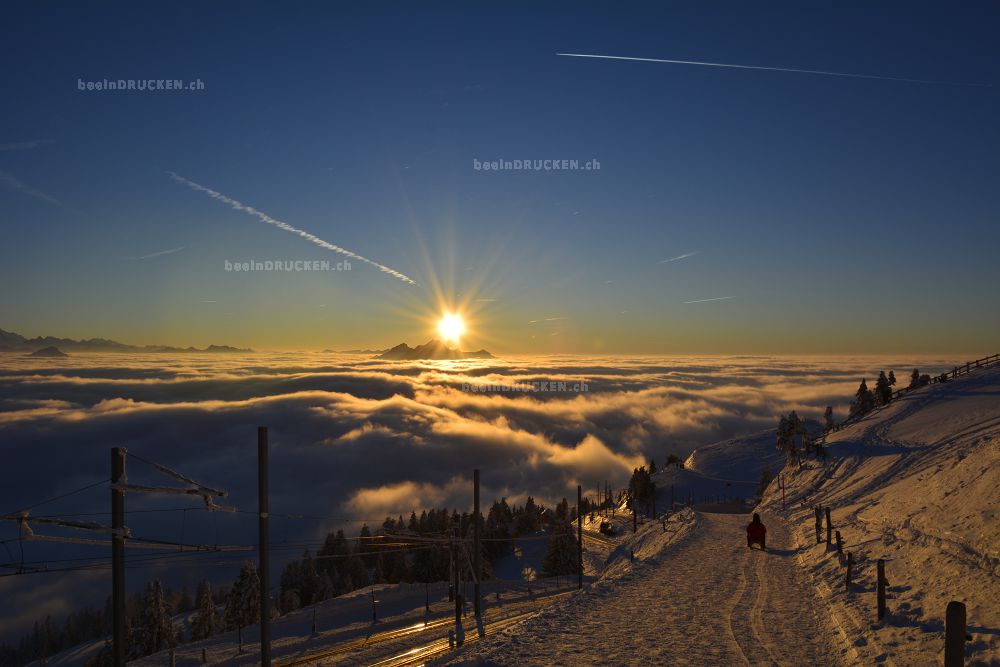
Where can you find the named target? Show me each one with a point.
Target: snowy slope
(918, 484)
(730, 468)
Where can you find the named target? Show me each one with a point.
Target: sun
(451, 326)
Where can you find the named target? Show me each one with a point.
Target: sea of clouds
(354, 439)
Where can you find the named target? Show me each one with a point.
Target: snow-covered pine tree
(915, 378)
(204, 623)
(783, 438)
(864, 400)
(892, 379)
(883, 392)
(155, 629)
(243, 602)
(250, 598)
(561, 556)
(765, 479)
(828, 417)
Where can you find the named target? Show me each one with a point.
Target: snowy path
(705, 600)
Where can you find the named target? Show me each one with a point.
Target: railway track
(420, 654)
(415, 655)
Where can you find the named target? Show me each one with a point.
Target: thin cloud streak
(26, 145)
(12, 183)
(161, 253)
(679, 257)
(718, 298)
(779, 69)
(263, 217)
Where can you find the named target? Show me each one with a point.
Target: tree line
(340, 566)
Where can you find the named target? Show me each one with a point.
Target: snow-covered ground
(695, 595)
(917, 484)
(725, 470)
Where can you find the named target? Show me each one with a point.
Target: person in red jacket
(756, 532)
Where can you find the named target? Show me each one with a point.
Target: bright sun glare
(451, 327)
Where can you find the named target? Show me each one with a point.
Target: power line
(60, 497)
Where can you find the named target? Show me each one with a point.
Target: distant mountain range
(13, 342)
(432, 349)
(48, 352)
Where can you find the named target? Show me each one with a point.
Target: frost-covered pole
(829, 528)
(264, 546)
(119, 633)
(477, 553)
(458, 597)
(579, 535)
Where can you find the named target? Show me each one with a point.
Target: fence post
(880, 589)
(840, 545)
(954, 635)
(829, 528)
(819, 524)
(850, 567)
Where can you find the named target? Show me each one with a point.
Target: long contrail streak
(263, 217)
(718, 298)
(680, 257)
(778, 69)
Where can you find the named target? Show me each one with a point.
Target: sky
(835, 214)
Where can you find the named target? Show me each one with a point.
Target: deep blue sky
(845, 215)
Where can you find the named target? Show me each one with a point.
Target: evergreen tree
(204, 623)
(765, 479)
(562, 555)
(155, 631)
(529, 518)
(652, 466)
(243, 601)
(864, 400)
(184, 601)
(892, 379)
(784, 435)
(291, 586)
(640, 489)
(828, 417)
(883, 392)
(915, 378)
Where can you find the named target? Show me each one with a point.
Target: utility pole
(579, 535)
(119, 631)
(458, 597)
(477, 554)
(264, 546)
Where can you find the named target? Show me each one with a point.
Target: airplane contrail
(263, 217)
(679, 257)
(161, 253)
(778, 69)
(718, 298)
